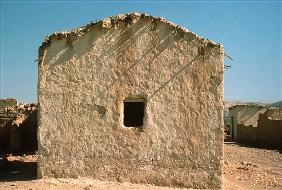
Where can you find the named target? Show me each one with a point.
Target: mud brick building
(244, 115)
(256, 125)
(131, 98)
(270, 127)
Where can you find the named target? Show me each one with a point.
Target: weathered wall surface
(246, 115)
(247, 134)
(270, 127)
(84, 76)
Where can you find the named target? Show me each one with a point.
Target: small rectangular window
(133, 112)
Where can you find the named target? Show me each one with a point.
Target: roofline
(110, 22)
(247, 105)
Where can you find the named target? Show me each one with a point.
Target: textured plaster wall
(83, 80)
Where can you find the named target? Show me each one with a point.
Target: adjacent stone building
(256, 125)
(270, 127)
(131, 98)
(244, 115)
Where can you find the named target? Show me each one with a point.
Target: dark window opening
(133, 113)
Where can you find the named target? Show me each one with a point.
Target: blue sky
(249, 31)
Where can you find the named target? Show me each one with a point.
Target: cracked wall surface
(86, 74)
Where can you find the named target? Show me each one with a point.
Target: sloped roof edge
(111, 21)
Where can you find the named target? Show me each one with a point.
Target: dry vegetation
(245, 168)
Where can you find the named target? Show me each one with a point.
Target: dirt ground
(250, 168)
(245, 168)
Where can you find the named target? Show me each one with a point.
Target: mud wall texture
(246, 115)
(247, 133)
(85, 76)
(270, 127)
(266, 130)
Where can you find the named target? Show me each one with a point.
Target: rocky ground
(252, 168)
(245, 168)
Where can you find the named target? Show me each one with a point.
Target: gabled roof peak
(128, 18)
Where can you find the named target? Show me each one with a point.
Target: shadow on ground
(17, 171)
(256, 145)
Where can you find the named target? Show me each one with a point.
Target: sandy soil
(245, 168)
(250, 168)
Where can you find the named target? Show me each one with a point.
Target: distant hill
(276, 104)
(228, 104)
